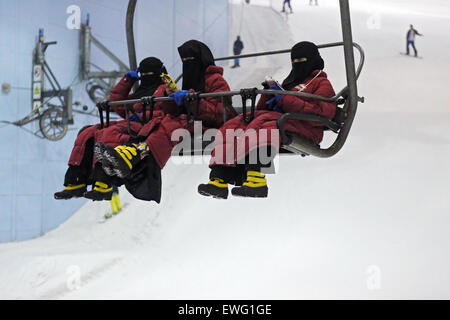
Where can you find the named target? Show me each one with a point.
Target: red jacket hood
(213, 69)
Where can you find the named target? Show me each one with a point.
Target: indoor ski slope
(371, 222)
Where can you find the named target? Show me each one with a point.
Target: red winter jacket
(210, 110)
(117, 132)
(229, 151)
(159, 130)
(122, 92)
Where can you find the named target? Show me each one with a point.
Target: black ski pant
(84, 173)
(238, 174)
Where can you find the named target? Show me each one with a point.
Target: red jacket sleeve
(313, 106)
(121, 91)
(169, 107)
(210, 110)
(261, 105)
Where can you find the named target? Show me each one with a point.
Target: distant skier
(237, 49)
(289, 5)
(410, 38)
(315, 1)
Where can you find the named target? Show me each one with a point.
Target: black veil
(196, 57)
(305, 59)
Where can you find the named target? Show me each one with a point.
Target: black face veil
(196, 57)
(305, 59)
(150, 70)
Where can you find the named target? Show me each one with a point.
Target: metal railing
(320, 46)
(246, 94)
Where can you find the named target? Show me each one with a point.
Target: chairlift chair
(290, 142)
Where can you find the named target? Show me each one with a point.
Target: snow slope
(371, 222)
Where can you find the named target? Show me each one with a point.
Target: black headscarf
(150, 70)
(305, 59)
(196, 57)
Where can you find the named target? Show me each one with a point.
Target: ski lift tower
(100, 82)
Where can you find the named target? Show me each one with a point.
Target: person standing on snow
(410, 38)
(237, 49)
(289, 5)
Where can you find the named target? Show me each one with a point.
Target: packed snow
(371, 222)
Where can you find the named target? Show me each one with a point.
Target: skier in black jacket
(237, 49)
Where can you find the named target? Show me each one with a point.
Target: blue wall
(32, 169)
(177, 22)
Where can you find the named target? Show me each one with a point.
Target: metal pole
(249, 55)
(320, 46)
(85, 51)
(230, 94)
(348, 53)
(130, 38)
(266, 53)
(130, 34)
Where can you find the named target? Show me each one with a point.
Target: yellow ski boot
(101, 191)
(215, 188)
(254, 187)
(71, 191)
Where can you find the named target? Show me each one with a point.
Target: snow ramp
(371, 222)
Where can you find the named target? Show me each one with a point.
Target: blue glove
(277, 109)
(179, 96)
(273, 103)
(134, 118)
(133, 74)
(276, 86)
